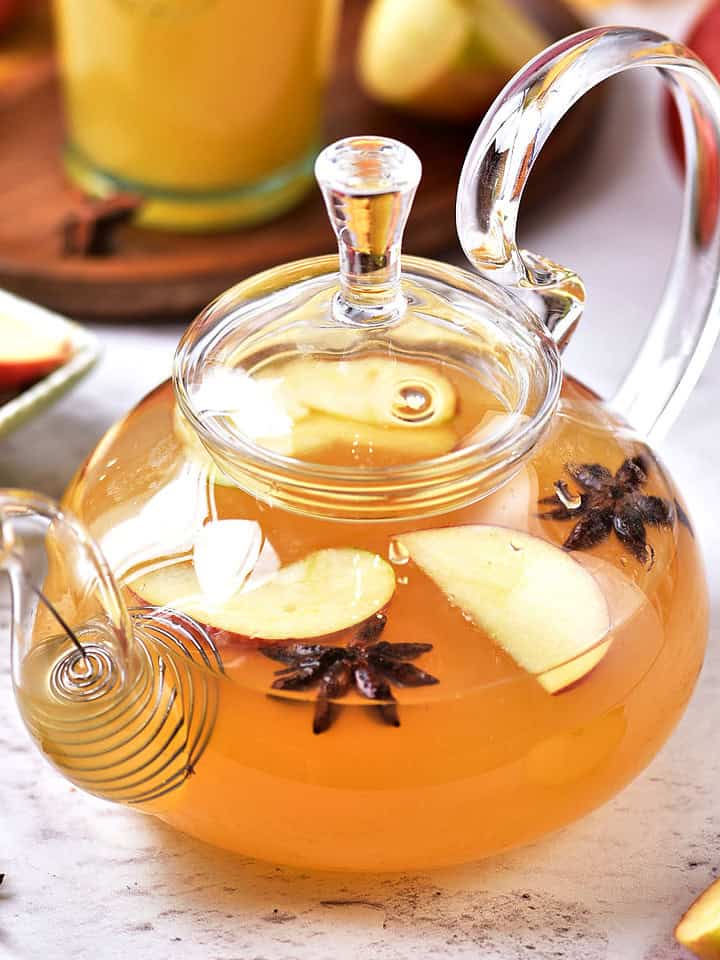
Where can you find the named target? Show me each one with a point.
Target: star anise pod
(609, 503)
(368, 664)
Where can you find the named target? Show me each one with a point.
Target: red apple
(28, 352)
(9, 9)
(704, 41)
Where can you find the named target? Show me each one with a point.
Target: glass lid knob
(368, 184)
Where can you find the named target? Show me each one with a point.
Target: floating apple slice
(328, 591)
(376, 390)
(531, 597)
(28, 352)
(699, 929)
(318, 432)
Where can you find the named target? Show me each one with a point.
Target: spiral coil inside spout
(130, 740)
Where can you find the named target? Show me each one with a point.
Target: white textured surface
(87, 880)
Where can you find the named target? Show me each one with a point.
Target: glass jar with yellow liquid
(209, 109)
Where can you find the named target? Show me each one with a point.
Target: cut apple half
(27, 352)
(326, 592)
(532, 598)
(699, 929)
(374, 390)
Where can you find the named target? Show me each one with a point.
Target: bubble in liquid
(569, 500)
(414, 402)
(398, 553)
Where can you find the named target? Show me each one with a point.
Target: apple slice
(27, 352)
(327, 591)
(376, 390)
(318, 432)
(532, 598)
(699, 929)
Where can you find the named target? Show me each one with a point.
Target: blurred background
(156, 151)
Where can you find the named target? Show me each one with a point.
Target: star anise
(368, 664)
(609, 503)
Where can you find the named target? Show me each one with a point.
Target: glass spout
(368, 184)
(121, 701)
(62, 590)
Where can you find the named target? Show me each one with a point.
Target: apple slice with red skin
(28, 353)
(324, 593)
(531, 597)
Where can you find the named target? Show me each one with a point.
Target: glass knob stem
(368, 184)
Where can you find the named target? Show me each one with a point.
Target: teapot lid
(367, 368)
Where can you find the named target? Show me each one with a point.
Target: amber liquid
(483, 760)
(209, 100)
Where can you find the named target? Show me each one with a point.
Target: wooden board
(155, 274)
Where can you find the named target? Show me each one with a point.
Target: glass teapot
(372, 584)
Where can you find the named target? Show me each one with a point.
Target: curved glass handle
(499, 162)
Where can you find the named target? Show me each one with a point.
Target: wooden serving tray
(153, 274)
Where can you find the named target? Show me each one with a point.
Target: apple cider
(413, 690)
(215, 104)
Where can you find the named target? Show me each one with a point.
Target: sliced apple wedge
(376, 390)
(532, 598)
(27, 352)
(699, 929)
(327, 591)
